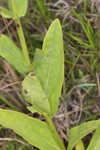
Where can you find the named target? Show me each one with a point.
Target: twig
(13, 139)
(10, 84)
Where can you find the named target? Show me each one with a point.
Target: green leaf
(49, 64)
(5, 13)
(12, 54)
(21, 7)
(95, 142)
(34, 94)
(77, 133)
(32, 130)
(80, 146)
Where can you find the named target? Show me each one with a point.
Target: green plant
(87, 38)
(41, 87)
(43, 9)
(87, 29)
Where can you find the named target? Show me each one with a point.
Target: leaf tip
(56, 21)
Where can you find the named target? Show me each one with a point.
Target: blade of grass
(42, 8)
(82, 43)
(8, 103)
(85, 6)
(87, 28)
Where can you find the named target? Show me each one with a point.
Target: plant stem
(54, 132)
(21, 35)
(22, 41)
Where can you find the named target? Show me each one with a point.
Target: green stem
(22, 41)
(54, 132)
(21, 35)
